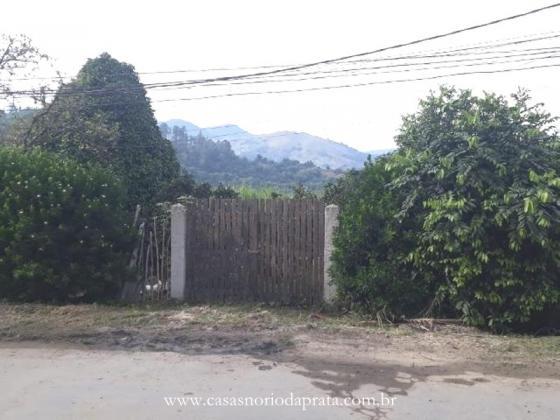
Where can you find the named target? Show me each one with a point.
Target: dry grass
(242, 327)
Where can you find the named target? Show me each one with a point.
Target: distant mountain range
(281, 145)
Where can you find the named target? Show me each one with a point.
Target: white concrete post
(178, 251)
(331, 222)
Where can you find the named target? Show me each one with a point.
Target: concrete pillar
(331, 223)
(178, 251)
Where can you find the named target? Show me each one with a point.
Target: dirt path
(108, 362)
(47, 382)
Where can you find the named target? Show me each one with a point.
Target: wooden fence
(252, 250)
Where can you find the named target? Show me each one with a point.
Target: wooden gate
(254, 250)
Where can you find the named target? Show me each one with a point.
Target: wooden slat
(294, 233)
(204, 221)
(247, 261)
(274, 250)
(313, 250)
(259, 254)
(296, 245)
(316, 248)
(283, 233)
(260, 250)
(236, 235)
(265, 268)
(253, 248)
(321, 247)
(242, 260)
(291, 265)
(308, 272)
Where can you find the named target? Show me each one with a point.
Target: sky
(182, 35)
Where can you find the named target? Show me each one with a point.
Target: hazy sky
(176, 35)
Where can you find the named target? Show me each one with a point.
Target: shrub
(487, 176)
(370, 263)
(466, 213)
(63, 233)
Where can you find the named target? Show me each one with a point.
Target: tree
(300, 192)
(465, 215)
(104, 116)
(18, 56)
(485, 175)
(14, 124)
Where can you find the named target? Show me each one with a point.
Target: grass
(530, 345)
(48, 318)
(251, 321)
(248, 192)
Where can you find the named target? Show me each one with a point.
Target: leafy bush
(370, 262)
(467, 212)
(63, 232)
(248, 192)
(185, 186)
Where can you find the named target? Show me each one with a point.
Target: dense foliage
(104, 116)
(215, 162)
(370, 259)
(466, 213)
(185, 186)
(63, 233)
(14, 123)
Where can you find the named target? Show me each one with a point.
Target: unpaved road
(112, 362)
(46, 382)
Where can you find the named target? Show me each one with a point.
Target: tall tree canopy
(470, 213)
(103, 115)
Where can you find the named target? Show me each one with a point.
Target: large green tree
(476, 182)
(104, 116)
(489, 178)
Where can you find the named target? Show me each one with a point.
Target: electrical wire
(360, 84)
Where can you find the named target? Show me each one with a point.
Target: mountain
(190, 128)
(379, 152)
(291, 145)
(242, 142)
(215, 162)
(303, 147)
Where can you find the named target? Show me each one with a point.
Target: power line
(383, 49)
(480, 45)
(360, 84)
(371, 83)
(366, 53)
(443, 52)
(363, 71)
(471, 49)
(533, 53)
(338, 60)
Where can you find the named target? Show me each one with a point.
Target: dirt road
(62, 383)
(230, 362)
